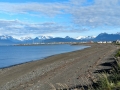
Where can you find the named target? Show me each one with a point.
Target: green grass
(108, 82)
(117, 54)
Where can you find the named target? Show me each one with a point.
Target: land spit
(63, 70)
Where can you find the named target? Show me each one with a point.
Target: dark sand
(68, 69)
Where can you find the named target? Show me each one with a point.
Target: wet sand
(70, 69)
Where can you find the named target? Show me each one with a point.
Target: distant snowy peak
(118, 33)
(101, 34)
(85, 37)
(39, 37)
(67, 37)
(90, 37)
(44, 37)
(25, 38)
(80, 37)
(5, 37)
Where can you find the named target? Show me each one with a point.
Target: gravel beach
(67, 69)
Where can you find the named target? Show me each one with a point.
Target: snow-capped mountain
(5, 40)
(44, 37)
(107, 37)
(67, 37)
(80, 37)
(90, 37)
(25, 38)
(39, 38)
(118, 33)
(6, 37)
(85, 37)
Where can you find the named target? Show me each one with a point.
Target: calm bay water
(11, 55)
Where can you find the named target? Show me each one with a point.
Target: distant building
(109, 41)
(104, 42)
(99, 42)
(90, 42)
(118, 41)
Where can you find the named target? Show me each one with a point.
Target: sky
(59, 18)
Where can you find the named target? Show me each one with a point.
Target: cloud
(84, 14)
(16, 27)
(49, 9)
(99, 13)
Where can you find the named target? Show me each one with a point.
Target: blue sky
(59, 18)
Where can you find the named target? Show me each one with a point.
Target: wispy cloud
(49, 9)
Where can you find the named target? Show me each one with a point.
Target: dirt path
(70, 68)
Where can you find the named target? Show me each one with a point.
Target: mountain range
(5, 39)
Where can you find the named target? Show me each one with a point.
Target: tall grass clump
(111, 81)
(118, 53)
(104, 82)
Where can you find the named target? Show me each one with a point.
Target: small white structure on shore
(118, 41)
(104, 42)
(109, 41)
(99, 42)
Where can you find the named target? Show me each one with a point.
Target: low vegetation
(118, 54)
(110, 81)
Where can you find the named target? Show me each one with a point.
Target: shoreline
(56, 69)
(9, 66)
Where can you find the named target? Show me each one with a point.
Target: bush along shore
(107, 79)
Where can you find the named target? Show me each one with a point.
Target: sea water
(12, 55)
